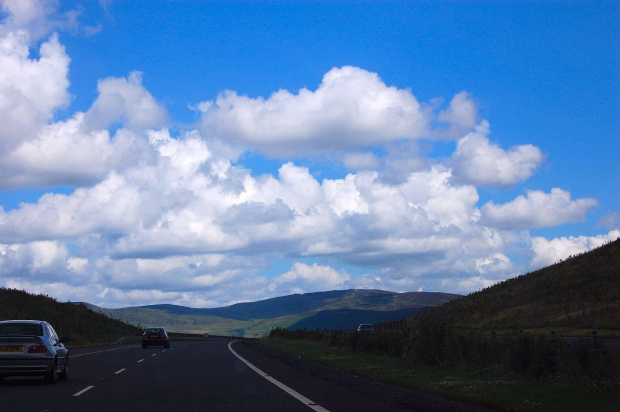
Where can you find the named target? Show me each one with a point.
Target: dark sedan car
(365, 327)
(155, 336)
(32, 348)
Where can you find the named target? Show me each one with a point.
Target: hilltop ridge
(582, 291)
(346, 309)
(80, 323)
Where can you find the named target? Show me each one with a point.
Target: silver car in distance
(32, 348)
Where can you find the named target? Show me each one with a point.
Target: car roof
(21, 321)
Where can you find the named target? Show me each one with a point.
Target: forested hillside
(78, 322)
(580, 292)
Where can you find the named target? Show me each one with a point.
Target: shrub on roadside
(438, 344)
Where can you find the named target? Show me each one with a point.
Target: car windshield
(31, 329)
(154, 330)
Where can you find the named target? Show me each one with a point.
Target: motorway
(213, 375)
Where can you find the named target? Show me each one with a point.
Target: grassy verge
(486, 387)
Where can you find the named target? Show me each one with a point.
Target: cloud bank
(157, 217)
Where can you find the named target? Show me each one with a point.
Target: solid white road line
(119, 371)
(83, 390)
(279, 384)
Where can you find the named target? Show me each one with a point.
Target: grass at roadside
(488, 387)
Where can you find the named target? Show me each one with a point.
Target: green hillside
(78, 322)
(347, 309)
(580, 292)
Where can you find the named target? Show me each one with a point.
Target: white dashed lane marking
(116, 373)
(83, 390)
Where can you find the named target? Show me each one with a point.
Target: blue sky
(207, 153)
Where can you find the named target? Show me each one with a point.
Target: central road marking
(99, 351)
(119, 371)
(83, 390)
(279, 384)
(140, 360)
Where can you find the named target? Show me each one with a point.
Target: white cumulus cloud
(66, 153)
(37, 17)
(547, 252)
(127, 102)
(35, 151)
(536, 210)
(352, 108)
(40, 261)
(479, 162)
(311, 278)
(30, 90)
(461, 115)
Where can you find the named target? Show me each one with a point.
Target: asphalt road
(192, 376)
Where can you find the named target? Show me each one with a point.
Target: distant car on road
(155, 336)
(32, 348)
(365, 327)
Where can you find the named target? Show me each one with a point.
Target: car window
(52, 332)
(30, 329)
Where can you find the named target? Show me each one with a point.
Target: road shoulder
(400, 398)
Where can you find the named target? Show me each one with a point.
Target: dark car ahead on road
(365, 327)
(32, 348)
(155, 336)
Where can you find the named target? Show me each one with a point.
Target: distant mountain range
(339, 309)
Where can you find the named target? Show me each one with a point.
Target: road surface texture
(214, 375)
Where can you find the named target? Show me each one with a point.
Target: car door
(61, 351)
